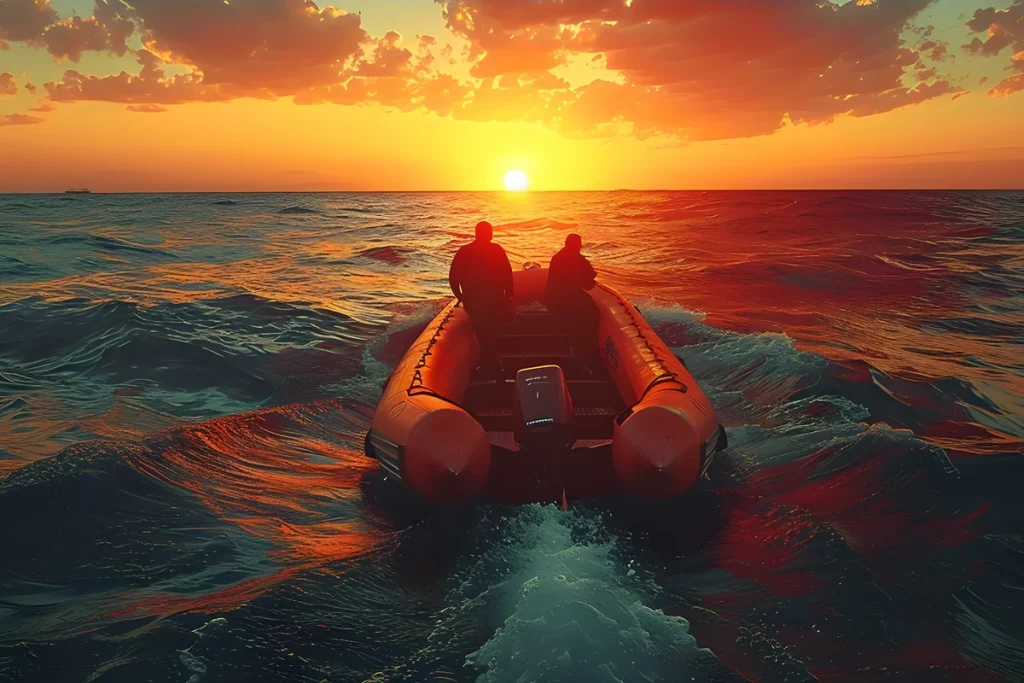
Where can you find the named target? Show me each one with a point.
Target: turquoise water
(185, 382)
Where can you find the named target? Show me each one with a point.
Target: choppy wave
(297, 211)
(183, 395)
(392, 255)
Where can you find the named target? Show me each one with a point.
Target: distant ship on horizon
(84, 190)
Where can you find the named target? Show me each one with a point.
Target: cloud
(936, 49)
(249, 48)
(276, 46)
(150, 86)
(690, 69)
(127, 89)
(442, 94)
(146, 108)
(7, 84)
(106, 30)
(19, 120)
(1004, 28)
(897, 98)
(699, 69)
(389, 58)
(1008, 86)
(390, 76)
(25, 20)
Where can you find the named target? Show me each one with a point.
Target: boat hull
(655, 443)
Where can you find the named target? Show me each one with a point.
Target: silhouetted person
(481, 277)
(570, 276)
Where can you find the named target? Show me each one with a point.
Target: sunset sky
(225, 95)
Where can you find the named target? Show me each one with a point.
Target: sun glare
(516, 181)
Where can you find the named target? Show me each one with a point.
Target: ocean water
(185, 382)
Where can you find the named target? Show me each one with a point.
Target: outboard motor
(543, 411)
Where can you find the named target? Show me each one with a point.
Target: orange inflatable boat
(549, 430)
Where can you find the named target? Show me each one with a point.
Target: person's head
(484, 232)
(574, 243)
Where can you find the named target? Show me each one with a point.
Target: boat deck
(535, 338)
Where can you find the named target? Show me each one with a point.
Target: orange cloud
(442, 94)
(25, 20)
(692, 69)
(7, 84)
(19, 120)
(278, 46)
(1005, 28)
(266, 49)
(936, 49)
(391, 77)
(389, 58)
(701, 69)
(106, 30)
(1008, 86)
(151, 86)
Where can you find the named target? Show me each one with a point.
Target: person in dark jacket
(570, 276)
(481, 278)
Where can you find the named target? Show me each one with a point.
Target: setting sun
(516, 181)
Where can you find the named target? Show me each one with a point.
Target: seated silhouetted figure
(570, 276)
(481, 277)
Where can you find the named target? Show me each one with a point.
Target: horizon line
(528, 192)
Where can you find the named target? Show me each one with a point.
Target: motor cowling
(543, 409)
